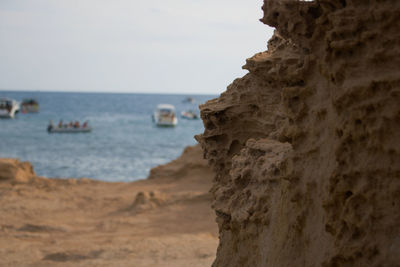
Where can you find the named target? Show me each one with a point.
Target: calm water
(123, 146)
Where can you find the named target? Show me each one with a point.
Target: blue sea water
(123, 146)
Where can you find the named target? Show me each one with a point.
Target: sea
(123, 146)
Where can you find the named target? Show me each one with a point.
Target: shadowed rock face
(306, 146)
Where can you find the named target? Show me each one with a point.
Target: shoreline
(85, 222)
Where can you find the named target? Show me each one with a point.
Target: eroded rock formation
(306, 146)
(15, 171)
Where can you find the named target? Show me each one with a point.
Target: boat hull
(163, 122)
(30, 108)
(69, 130)
(166, 124)
(164, 116)
(6, 115)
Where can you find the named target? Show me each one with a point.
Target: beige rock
(306, 145)
(15, 171)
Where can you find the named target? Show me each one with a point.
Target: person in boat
(8, 106)
(76, 124)
(51, 126)
(70, 124)
(60, 124)
(84, 125)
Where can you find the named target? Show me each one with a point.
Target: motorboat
(84, 128)
(189, 100)
(164, 115)
(8, 108)
(190, 115)
(30, 106)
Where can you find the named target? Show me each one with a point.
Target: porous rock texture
(306, 146)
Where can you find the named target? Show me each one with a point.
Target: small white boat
(190, 115)
(164, 115)
(8, 108)
(30, 106)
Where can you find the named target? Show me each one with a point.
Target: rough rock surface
(306, 146)
(14, 171)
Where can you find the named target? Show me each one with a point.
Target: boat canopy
(165, 107)
(5, 101)
(30, 101)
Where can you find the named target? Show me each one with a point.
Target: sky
(143, 46)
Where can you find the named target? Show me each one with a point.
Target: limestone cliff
(306, 146)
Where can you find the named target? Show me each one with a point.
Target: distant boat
(8, 108)
(30, 106)
(164, 115)
(69, 129)
(190, 115)
(189, 100)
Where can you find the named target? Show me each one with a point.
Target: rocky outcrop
(15, 171)
(306, 145)
(188, 165)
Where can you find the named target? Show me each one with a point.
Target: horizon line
(102, 92)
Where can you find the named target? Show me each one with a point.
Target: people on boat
(71, 127)
(8, 106)
(51, 126)
(71, 124)
(30, 106)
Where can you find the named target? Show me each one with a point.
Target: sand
(165, 220)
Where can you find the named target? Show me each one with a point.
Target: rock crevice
(306, 145)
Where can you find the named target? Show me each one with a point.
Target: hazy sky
(166, 46)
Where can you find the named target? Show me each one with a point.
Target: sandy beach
(165, 220)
